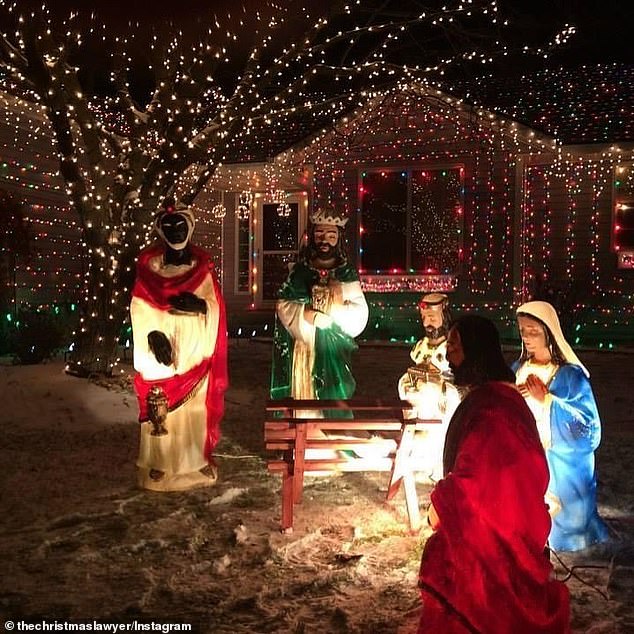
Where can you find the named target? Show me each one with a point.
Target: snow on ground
(79, 541)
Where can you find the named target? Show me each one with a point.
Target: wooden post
(301, 431)
(402, 472)
(286, 524)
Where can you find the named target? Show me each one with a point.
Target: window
(411, 220)
(623, 217)
(280, 237)
(244, 254)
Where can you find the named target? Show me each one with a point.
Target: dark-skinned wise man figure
(321, 308)
(180, 354)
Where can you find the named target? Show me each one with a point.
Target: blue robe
(575, 434)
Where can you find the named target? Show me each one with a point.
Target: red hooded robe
(484, 570)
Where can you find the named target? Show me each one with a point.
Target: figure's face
(533, 336)
(432, 317)
(455, 352)
(175, 229)
(325, 238)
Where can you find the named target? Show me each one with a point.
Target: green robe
(331, 374)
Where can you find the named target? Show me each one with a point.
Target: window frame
(250, 237)
(409, 276)
(301, 198)
(624, 255)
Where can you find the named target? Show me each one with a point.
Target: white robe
(351, 316)
(435, 399)
(180, 453)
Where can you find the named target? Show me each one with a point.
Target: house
(530, 193)
(492, 208)
(29, 173)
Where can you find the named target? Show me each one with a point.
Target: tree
(120, 159)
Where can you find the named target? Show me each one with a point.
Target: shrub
(35, 337)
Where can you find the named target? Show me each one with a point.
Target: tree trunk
(104, 311)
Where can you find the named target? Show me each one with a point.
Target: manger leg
(287, 501)
(402, 459)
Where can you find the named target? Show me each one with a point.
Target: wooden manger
(294, 426)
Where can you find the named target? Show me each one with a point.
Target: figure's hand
(322, 321)
(534, 387)
(160, 346)
(309, 315)
(188, 303)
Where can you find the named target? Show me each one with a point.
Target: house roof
(582, 105)
(268, 138)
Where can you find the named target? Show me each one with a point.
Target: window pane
(624, 228)
(280, 231)
(276, 268)
(244, 247)
(624, 208)
(436, 206)
(384, 220)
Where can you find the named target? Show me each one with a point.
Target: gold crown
(327, 217)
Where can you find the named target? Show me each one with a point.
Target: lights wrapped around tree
(104, 169)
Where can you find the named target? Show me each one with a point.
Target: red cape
(156, 290)
(485, 565)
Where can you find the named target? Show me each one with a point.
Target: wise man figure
(321, 308)
(428, 385)
(435, 318)
(180, 354)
